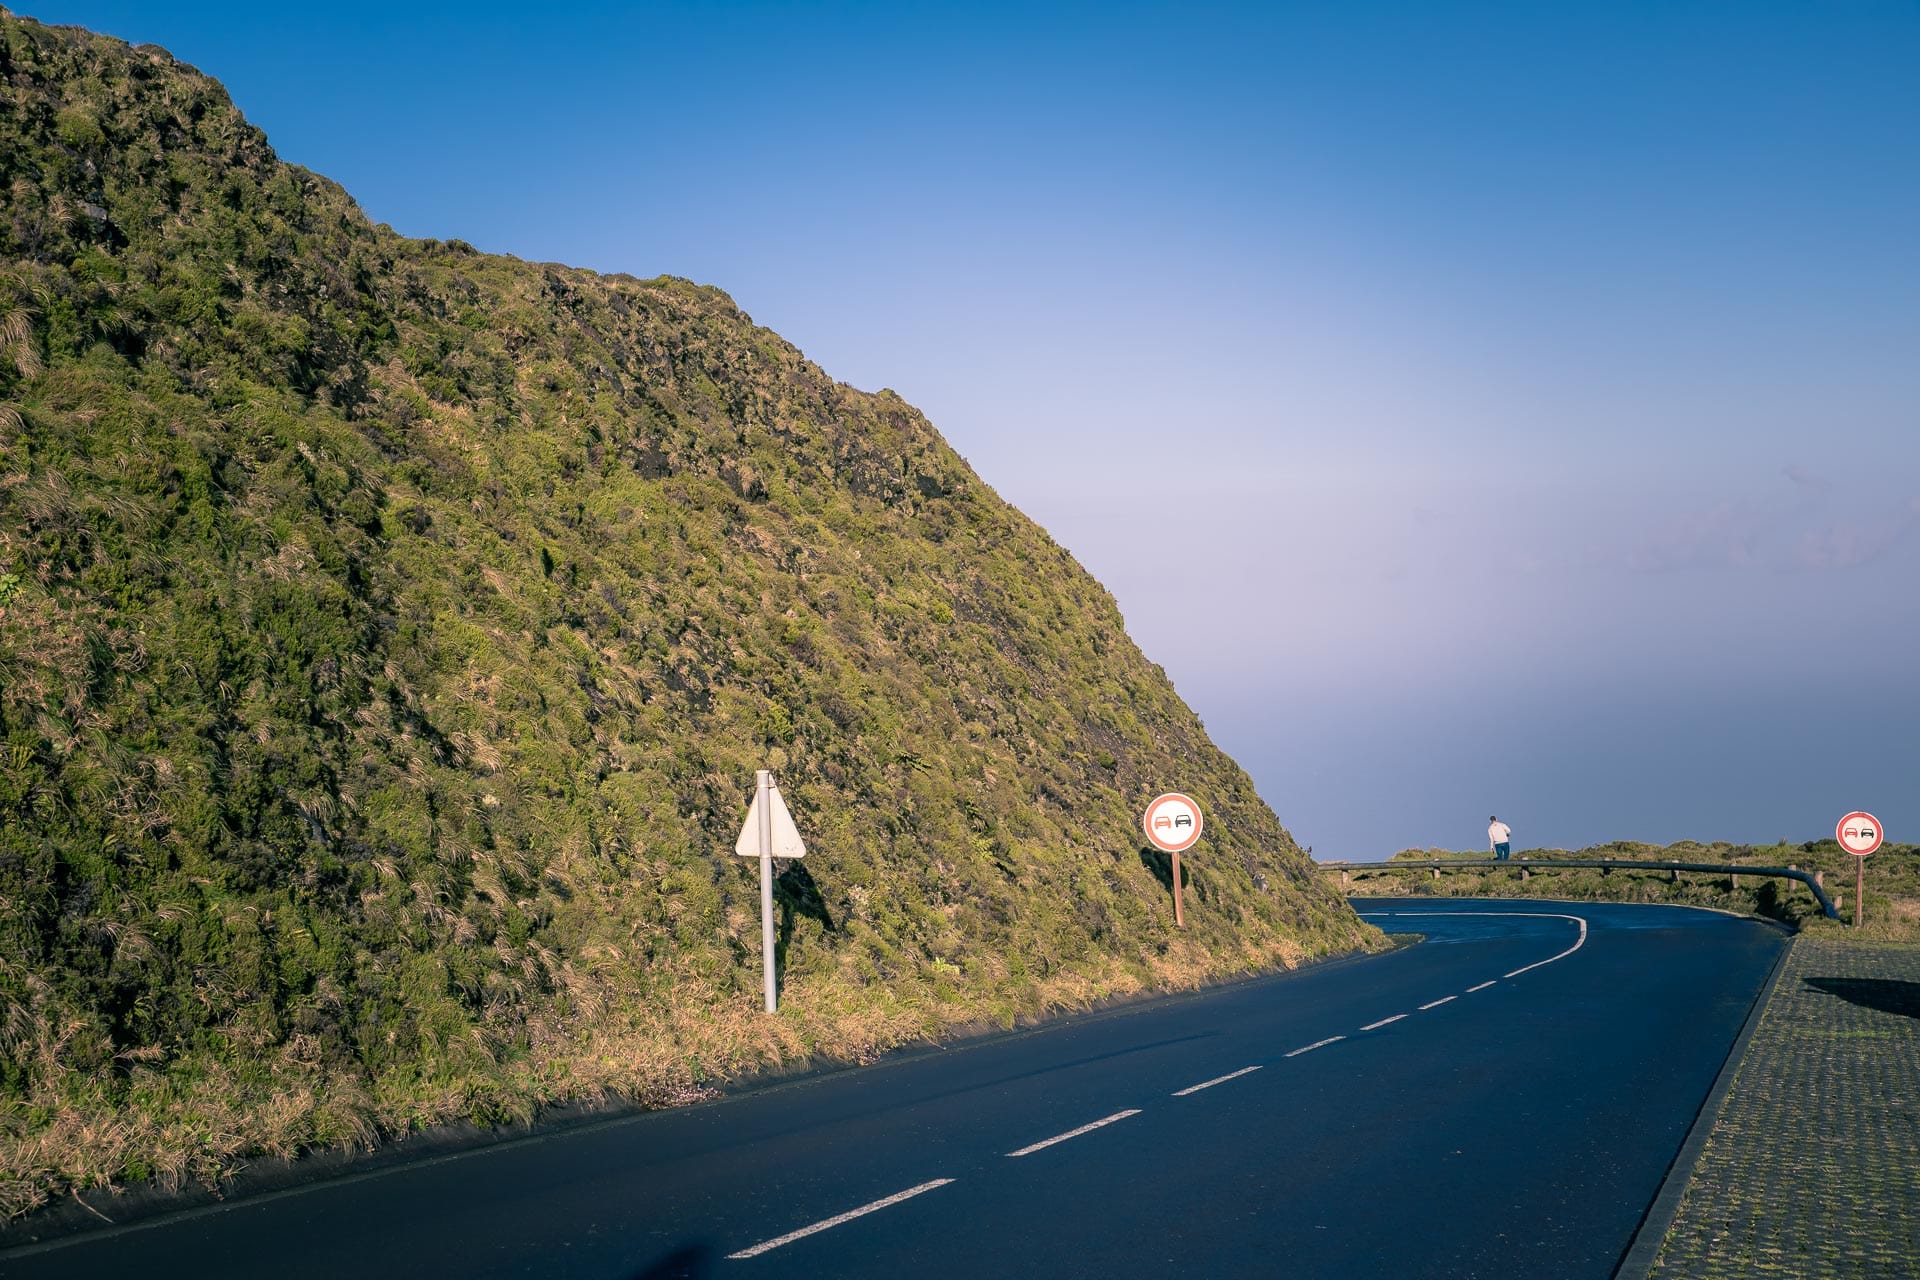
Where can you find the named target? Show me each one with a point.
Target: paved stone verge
(1813, 1166)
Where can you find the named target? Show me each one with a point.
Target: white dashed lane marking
(1208, 1084)
(848, 1216)
(1317, 1044)
(766, 1245)
(1073, 1133)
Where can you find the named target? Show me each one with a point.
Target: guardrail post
(1346, 880)
(1820, 878)
(1436, 873)
(1525, 874)
(1733, 882)
(1673, 877)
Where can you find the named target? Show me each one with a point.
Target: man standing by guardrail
(1500, 836)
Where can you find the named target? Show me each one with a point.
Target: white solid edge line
(1483, 986)
(1437, 1003)
(1317, 1044)
(1579, 942)
(1375, 1026)
(1073, 1133)
(1208, 1084)
(848, 1216)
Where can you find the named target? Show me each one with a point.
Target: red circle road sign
(1172, 822)
(1859, 833)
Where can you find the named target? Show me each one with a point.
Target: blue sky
(1475, 407)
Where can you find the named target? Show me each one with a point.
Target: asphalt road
(1503, 1099)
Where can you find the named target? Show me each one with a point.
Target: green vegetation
(1893, 882)
(388, 635)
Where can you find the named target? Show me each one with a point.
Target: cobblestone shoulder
(1813, 1166)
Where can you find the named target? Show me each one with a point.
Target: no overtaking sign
(1859, 833)
(1172, 822)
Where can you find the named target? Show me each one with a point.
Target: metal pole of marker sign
(768, 833)
(763, 805)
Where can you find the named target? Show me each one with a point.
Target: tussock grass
(389, 633)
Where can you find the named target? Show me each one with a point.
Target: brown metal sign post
(1172, 823)
(1179, 919)
(1859, 833)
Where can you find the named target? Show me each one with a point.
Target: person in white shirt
(1500, 836)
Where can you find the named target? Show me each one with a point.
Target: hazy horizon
(1475, 408)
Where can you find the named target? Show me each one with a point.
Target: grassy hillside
(1893, 882)
(388, 636)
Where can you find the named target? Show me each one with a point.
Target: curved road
(1503, 1099)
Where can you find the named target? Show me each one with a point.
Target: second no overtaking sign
(1859, 833)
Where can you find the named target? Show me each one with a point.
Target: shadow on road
(688, 1262)
(1885, 994)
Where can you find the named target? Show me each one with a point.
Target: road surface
(1503, 1099)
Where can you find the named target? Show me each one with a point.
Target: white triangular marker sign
(786, 836)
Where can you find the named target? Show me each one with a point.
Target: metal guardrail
(1811, 879)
